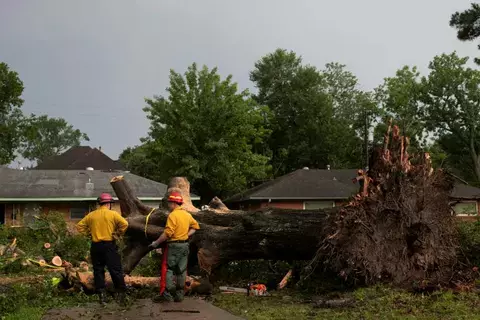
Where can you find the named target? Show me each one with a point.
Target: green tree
(209, 132)
(306, 131)
(11, 88)
(467, 24)
(353, 107)
(399, 99)
(451, 106)
(437, 155)
(44, 137)
(142, 160)
(341, 85)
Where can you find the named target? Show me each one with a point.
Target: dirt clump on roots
(399, 228)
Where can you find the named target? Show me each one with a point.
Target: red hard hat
(175, 197)
(105, 198)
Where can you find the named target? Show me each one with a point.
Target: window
(466, 208)
(312, 205)
(78, 213)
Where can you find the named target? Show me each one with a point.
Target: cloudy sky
(93, 62)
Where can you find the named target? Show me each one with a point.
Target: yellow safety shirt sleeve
(82, 226)
(122, 224)
(194, 223)
(170, 226)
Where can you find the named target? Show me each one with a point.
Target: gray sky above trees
(93, 62)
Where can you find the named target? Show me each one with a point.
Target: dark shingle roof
(80, 158)
(323, 184)
(304, 184)
(463, 191)
(20, 184)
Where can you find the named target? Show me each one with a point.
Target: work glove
(153, 245)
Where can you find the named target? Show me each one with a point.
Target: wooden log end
(57, 261)
(117, 178)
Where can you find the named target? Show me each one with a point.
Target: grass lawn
(26, 313)
(371, 303)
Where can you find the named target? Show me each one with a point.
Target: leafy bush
(73, 248)
(149, 266)
(50, 228)
(469, 236)
(13, 267)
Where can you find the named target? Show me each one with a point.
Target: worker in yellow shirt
(179, 227)
(103, 225)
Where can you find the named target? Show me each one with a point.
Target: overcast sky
(93, 62)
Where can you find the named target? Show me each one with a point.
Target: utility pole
(365, 137)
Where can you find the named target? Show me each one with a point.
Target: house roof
(71, 185)
(80, 158)
(304, 184)
(320, 184)
(464, 191)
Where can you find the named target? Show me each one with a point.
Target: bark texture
(227, 235)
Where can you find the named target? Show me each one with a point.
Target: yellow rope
(146, 221)
(45, 264)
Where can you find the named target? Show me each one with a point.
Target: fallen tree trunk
(399, 229)
(77, 280)
(272, 234)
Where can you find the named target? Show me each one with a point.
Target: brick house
(317, 188)
(26, 193)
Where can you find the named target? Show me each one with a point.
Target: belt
(178, 241)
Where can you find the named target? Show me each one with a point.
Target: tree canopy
(467, 24)
(209, 131)
(44, 137)
(309, 123)
(143, 160)
(225, 140)
(11, 88)
(399, 100)
(452, 109)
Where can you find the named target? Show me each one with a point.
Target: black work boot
(166, 297)
(121, 298)
(102, 297)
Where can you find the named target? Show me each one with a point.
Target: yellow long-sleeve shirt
(179, 222)
(101, 224)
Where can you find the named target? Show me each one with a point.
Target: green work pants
(177, 259)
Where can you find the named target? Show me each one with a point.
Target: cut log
(398, 229)
(81, 280)
(84, 280)
(41, 260)
(57, 261)
(181, 184)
